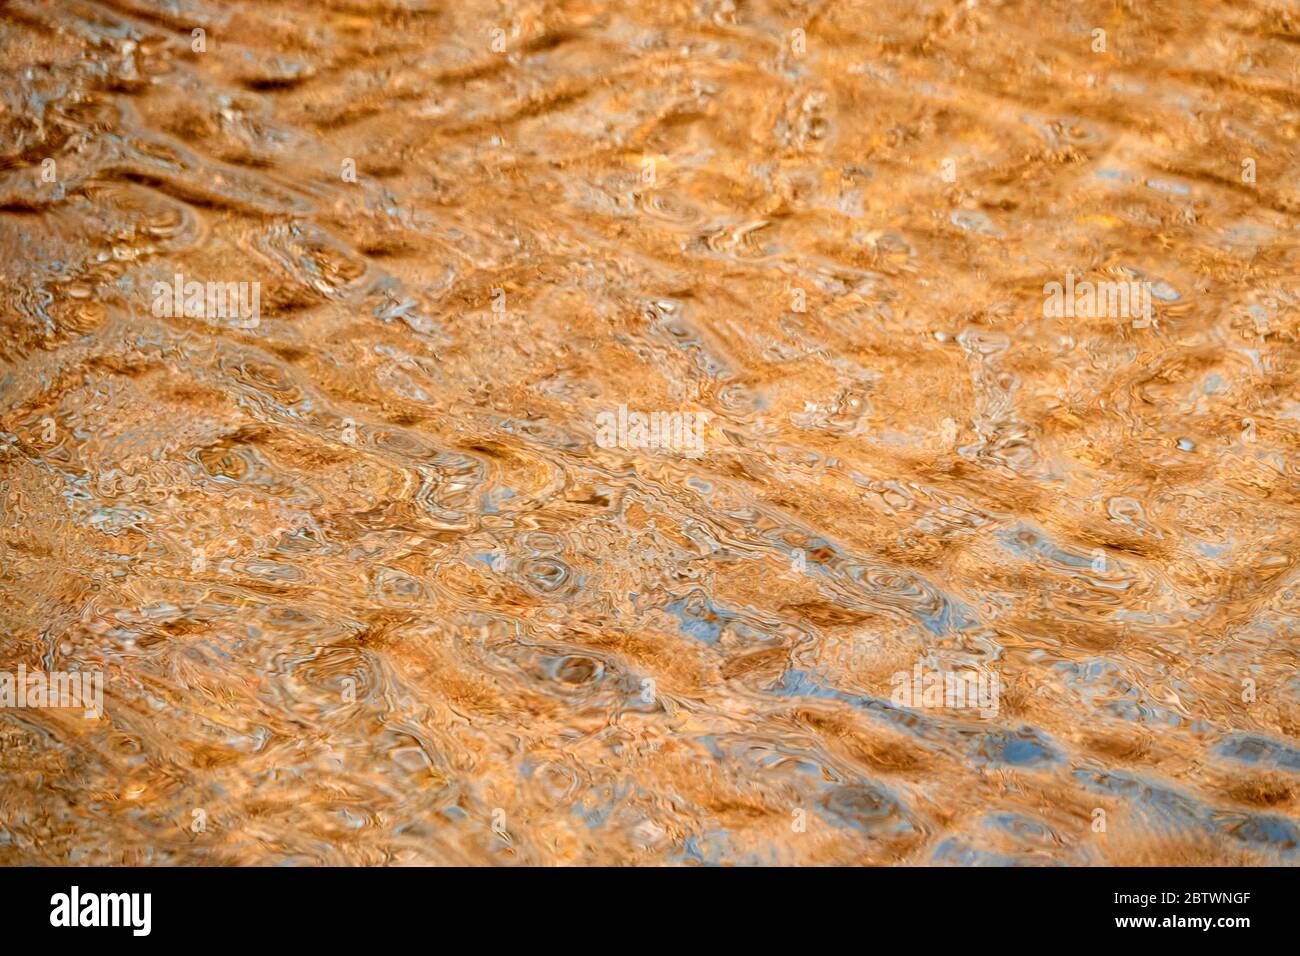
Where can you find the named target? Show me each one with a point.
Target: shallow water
(364, 583)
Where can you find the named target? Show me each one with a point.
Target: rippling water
(366, 584)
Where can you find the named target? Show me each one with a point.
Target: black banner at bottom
(338, 906)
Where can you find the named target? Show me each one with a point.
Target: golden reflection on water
(365, 584)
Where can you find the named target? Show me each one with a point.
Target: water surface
(364, 586)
